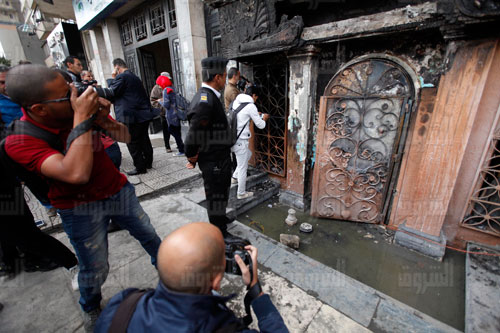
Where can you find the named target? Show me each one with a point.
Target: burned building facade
(381, 111)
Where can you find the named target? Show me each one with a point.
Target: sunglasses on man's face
(64, 99)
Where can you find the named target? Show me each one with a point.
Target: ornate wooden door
(361, 123)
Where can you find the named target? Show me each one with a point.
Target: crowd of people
(60, 139)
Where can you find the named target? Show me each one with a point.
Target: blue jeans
(86, 226)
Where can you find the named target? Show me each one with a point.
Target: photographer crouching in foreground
(191, 265)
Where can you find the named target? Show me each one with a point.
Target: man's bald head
(191, 258)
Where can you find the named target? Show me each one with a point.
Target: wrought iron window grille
(141, 32)
(171, 14)
(270, 142)
(126, 33)
(157, 19)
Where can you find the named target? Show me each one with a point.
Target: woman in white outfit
(240, 148)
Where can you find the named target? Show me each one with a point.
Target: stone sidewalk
(310, 296)
(44, 302)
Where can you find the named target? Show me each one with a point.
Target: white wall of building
(193, 41)
(11, 44)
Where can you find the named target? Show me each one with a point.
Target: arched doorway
(363, 121)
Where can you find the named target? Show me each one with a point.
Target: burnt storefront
(381, 111)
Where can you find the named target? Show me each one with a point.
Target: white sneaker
(244, 195)
(234, 180)
(73, 273)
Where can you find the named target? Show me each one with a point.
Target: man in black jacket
(132, 108)
(75, 68)
(207, 142)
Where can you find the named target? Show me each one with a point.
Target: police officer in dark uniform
(207, 142)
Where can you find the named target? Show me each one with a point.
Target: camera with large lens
(102, 92)
(242, 83)
(234, 247)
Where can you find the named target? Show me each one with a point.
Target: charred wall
(426, 52)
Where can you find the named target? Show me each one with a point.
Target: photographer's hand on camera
(116, 130)
(75, 166)
(103, 112)
(84, 105)
(245, 271)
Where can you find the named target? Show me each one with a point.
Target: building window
(49, 1)
(216, 46)
(171, 14)
(7, 3)
(140, 29)
(179, 84)
(10, 15)
(157, 19)
(126, 33)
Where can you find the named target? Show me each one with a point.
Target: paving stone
(482, 292)
(139, 273)
(141, 189)
(160, 182)
(151, 174)
(185, 173)
(171, 168)
(123, 248)
(295, 306)
(196, 195)
(158, 164)
(330, 320)
(394, 316)
(43, 292)
(332, 287)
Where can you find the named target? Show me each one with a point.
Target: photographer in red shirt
(84, 185)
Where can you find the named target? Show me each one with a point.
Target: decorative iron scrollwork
(270, 142)
(363, 120)
(484, 205)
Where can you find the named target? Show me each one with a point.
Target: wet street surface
(366, 253)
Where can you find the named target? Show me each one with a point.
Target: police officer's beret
(214, 65)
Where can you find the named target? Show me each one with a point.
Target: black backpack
(232, 120)
(37, 185)
(182, 106)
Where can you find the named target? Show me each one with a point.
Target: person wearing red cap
(155, 97)
(168, 101)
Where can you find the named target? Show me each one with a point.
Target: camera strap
(80, 129)
(252, 294)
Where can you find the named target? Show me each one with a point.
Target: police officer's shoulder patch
(204, 98)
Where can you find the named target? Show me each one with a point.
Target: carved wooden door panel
(361, 123)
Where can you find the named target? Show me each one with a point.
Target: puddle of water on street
(365, 252)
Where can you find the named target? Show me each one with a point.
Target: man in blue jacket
(191, 265)
(132, 107)
(10, 110)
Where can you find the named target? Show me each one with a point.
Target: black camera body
(102, 92)
(242, 83)
(234, 247)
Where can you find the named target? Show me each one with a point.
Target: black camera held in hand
(233, 247)
(242, 83)
(102, 92)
